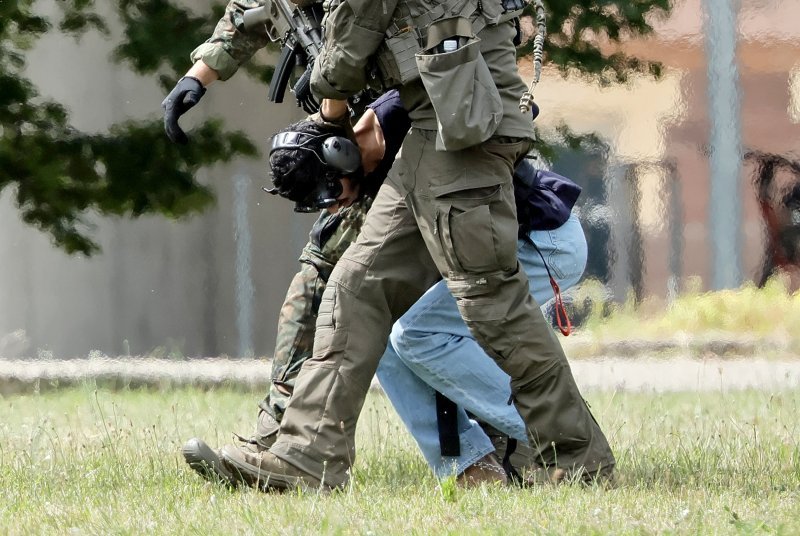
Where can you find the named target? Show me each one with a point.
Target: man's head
(307, 161)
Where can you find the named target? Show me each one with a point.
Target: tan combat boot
(265, 471)
(206, 462)
(266, 430)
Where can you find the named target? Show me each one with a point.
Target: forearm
(228, 48)
(205, 74)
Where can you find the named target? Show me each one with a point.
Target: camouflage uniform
(329, 238)
(225, 51)
(227, 48)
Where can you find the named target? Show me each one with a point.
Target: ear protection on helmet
(339, 156)
(342, 154)
(337, 152)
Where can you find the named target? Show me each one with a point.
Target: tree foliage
(60, 175)
(576, 30)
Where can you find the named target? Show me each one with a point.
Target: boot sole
(205, 462)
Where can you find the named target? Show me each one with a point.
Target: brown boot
(206, 462)
(543, 476)
(525, 470)
(519, 455)
(265, 471)
(487, 470)
(266, 430)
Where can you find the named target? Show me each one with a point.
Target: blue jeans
(431, 349)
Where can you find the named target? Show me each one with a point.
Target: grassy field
(81, 461)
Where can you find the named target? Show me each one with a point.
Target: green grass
(81, 461)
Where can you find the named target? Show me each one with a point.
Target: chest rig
(421, 24)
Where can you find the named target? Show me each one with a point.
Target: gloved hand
(186, 93)
(302, 92)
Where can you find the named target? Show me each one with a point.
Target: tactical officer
(219, 58)
(379, 133)
(446, 210)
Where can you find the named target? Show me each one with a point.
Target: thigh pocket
(472, 235)
(478, 232)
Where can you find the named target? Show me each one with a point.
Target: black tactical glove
(302, 92)
(186, 93)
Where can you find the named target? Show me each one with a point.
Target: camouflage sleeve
(228, 48)
(333, 246)
(332, 234)
(353, 32)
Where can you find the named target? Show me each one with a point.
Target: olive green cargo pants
(330, 237)
(448, 213)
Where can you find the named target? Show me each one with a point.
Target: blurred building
(653, 197)
(158, 285)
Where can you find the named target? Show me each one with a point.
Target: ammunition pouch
(460, 86)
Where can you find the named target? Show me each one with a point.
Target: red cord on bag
(562, 318)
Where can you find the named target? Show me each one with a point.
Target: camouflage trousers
(329, 238)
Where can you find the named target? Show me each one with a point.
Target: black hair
(296, 172)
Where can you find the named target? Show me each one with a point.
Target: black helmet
(307, 161)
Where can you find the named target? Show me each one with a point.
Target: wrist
(333, 111)
(202, 73)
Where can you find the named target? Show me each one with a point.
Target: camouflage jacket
(228, 48)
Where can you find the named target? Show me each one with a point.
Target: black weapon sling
(447, 420)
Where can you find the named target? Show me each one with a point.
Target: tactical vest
(419, 25)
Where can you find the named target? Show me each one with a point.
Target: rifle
(299, 29)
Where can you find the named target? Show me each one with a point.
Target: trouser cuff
(474, 446)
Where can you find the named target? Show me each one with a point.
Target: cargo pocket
(479, 228)
(468, 232)
(472, 236)
(461, 89)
